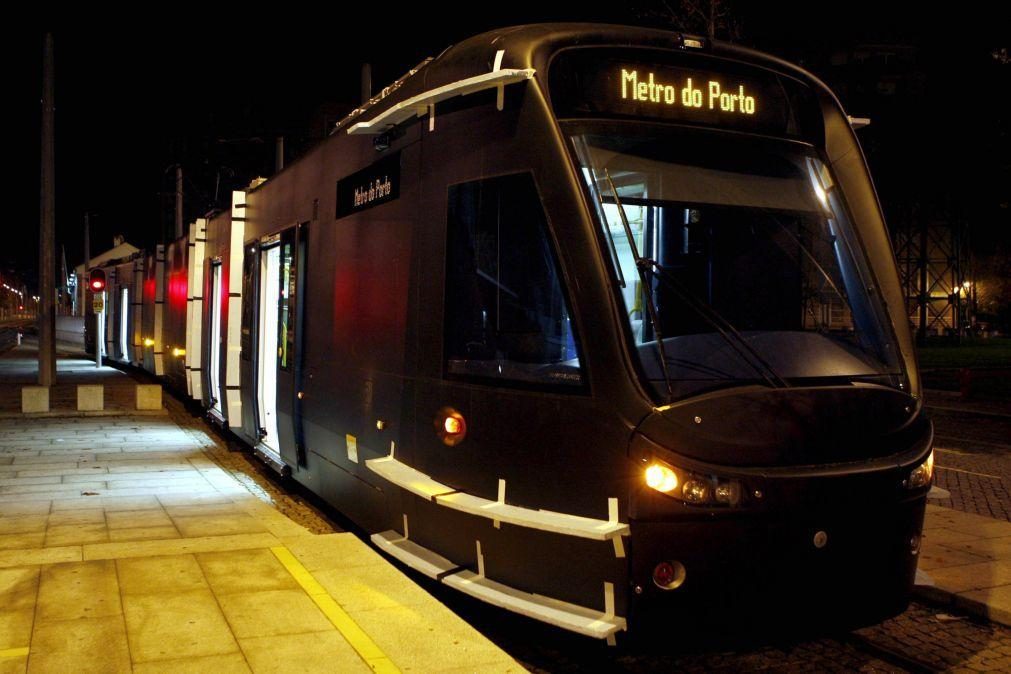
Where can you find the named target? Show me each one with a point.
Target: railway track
(891, 655)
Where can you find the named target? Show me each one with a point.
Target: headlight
(662, 478)
(922, 475)
(691, 488)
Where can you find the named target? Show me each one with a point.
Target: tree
(713, 18)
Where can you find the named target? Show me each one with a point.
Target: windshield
(749, 269)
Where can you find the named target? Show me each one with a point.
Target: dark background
(138, 92)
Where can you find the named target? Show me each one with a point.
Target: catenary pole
(179, 201)
(47, 237)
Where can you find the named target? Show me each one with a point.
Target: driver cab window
(507, 317)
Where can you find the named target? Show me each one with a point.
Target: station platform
(19, 368)
(126, 544)
(965, 561)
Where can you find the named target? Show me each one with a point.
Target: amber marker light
(178, 353)
(148, 342)
(450, 426)
(661, 478)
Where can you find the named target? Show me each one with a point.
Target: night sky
(213, 91)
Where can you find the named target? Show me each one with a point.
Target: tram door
(214, 340)
(267, 346)
(290, 317)
(124, 324)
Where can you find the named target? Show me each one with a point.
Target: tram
(597, 324)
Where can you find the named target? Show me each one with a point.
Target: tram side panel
(149, 337)
(122, 307)
(547, 444)
(214, 313)
(174, 315)
(351, 340)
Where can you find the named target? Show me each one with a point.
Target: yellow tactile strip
(345, 624)
(14, 653)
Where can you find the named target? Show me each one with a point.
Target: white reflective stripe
(404, 110)
(418, 483)
(579, 619)
(233, 338)
(195, 308)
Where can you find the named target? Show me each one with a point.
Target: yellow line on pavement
(14, 652)
(360, 641)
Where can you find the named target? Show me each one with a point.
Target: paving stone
(129, 519)
(18, 479)
(143, 534)
(118, 503)
(82, 516)
(22, 540)
(18, 588)
(16, 627)
(23, 524)
(161, 575)
(261, 571)
(371, 587)
(333, 551)
(76, 534)
(78, 590)
(94, 645)
(178, 547)
(218, 664)
(972, 576)
(33, 556)
(16, 509)
(272, 613)
(220, 525)
(312, 653)
(426, 638)
(177, 625)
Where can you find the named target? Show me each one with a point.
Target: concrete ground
(19, 367)
(140, 543)
(128, 544)
(966, 556)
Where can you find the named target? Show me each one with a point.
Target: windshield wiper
(722, 326)
(642, 266)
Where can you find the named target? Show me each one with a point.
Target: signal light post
(96, 281)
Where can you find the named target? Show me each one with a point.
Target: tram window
(506, 311)
(286, 293)
(248, 301)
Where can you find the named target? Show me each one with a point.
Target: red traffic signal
(97, 280)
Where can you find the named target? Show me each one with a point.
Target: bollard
(34, 399)
(90, 397)
(148, 396)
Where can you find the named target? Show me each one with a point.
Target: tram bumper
(808, 568)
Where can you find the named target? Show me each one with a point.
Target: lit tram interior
(750, 242)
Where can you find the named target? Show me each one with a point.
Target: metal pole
(924, 261)
(366, 82)
(82, 283)
(278, 154)
(99, 332)
(47, 237)
(179, 202)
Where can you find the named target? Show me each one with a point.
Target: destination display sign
(373, 185)
(629, 83)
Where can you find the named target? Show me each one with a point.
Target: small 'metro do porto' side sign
(372, 186)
